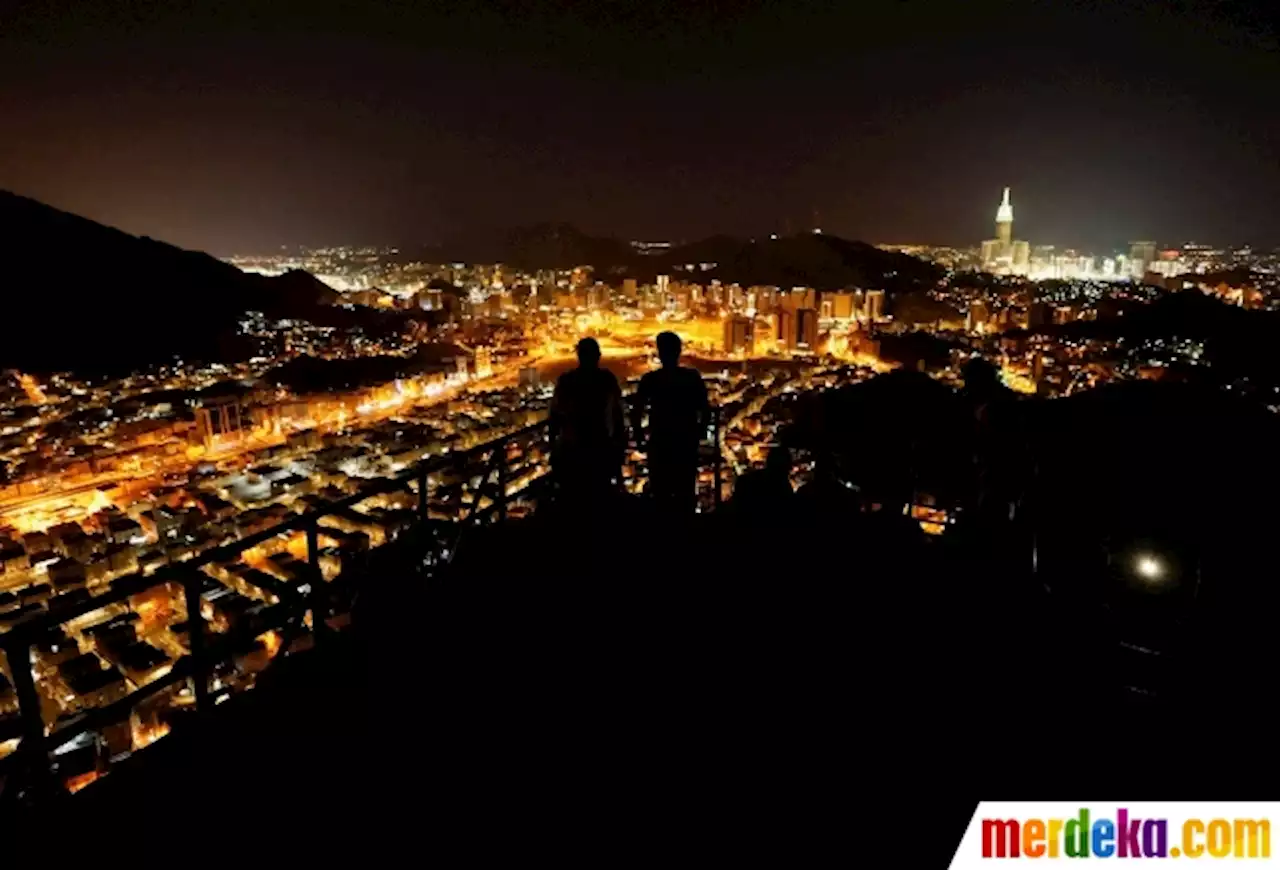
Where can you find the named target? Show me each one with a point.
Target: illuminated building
(739, 336)
(990, 253)
(218, 422)
(798, 319)
(1167, 267)
(664, 282)
(484, 362)
(1003, 255)
(786, 328)
(765, 332)
(838, 306)
(1141, 256)
(766, 298)
(807, 328)
(874, 305)
(803, 297)
(1004, 221)
(1021, 257)
(977, 317)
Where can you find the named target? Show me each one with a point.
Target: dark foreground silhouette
(676, 401)
(588, 430)
(752, 676)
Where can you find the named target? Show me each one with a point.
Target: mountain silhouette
(88, 298)
(97, 301)
(821, 261)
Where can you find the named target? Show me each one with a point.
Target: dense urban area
(105, 476)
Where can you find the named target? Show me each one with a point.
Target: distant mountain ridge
(817, 260)
(94, 300)
(81, 296)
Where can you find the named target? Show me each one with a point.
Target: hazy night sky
(243, 129)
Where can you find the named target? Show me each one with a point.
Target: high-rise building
(990, 253)
(739, 336)
(1021, 257)
(977, 317)
(766, 298)
(804, 297)
(1002, 254)
(874, 305)
(787, 328)
(1004, 221)
(838, 306)
(664, 282)
(798, 319)
(1141, 256)
(807, 328)
(219, 422)
(764, 333)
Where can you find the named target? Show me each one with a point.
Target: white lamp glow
(1149, 567)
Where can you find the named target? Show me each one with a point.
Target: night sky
(266, 124)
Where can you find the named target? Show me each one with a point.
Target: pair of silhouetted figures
(589, 428)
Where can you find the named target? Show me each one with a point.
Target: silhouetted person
(997, 444)
(766, 493)
(826, 498)
(588, 428)
(678, 414)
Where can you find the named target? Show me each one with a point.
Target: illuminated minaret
(1004, 222)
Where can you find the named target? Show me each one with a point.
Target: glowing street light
(1148, 567)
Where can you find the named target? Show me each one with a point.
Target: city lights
(112, 480)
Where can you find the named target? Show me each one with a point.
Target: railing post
(423, 504)
(319, 595)
(501, 456)
(196, 638)
(715, 418)
(33, 742)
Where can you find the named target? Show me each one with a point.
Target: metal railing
(480, 490)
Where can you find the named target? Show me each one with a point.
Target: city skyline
(1014, 250)
(169, 477)
(786, 226)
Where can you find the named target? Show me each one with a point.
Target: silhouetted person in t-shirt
(995, 438)
(678, 415)
(826, 498)
(766, 493)
(588, 429)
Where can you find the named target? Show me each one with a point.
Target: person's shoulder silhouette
(587, 404)
(766, 490)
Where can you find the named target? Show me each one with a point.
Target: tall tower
(1004, 221)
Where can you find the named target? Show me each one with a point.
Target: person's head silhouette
(778, 462)
(589, 353)
(669, 347)
(981, 379)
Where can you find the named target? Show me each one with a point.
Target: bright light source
(1149, 567)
